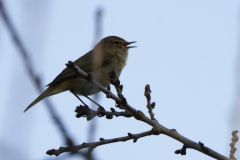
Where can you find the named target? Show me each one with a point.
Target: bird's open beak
(128, 43)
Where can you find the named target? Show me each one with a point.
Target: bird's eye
(117, 42)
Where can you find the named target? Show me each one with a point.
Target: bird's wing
(85, 63)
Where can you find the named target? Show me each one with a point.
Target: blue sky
(188, 51)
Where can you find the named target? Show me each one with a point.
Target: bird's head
(115, 45)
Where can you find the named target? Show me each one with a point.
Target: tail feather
(48, 92)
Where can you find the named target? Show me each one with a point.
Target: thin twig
(84, 111)
(150, 106)
(102, 141)
(232, 145)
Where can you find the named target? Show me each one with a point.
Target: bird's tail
(48, 92)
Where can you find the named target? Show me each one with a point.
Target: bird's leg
(93, 101)
(78, 97)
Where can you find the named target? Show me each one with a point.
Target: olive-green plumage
(110, 53)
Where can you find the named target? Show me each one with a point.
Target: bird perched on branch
(110, 53)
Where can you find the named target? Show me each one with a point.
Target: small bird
(110, 53)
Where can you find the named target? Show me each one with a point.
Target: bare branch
(157, 128)
(102, 141)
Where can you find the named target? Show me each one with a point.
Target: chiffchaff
(110, 53)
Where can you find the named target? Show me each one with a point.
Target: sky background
(188, 51)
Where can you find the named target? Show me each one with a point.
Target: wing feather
(85, 63)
